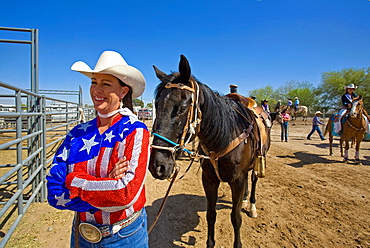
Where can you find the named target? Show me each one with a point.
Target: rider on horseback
(296, 103)
(347, 99)
(265, 105)
(289, 103)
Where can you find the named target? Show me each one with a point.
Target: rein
(357, 129)
(192, 125)
(164, 201)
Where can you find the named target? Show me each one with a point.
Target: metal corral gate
(29, 136)
(31, 129)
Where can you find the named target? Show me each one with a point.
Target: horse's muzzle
(161, 164)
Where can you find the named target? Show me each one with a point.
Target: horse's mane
(218, 124)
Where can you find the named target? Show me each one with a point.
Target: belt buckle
(90, 232)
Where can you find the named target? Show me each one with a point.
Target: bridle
(192, 127)
(192, 122)
(357, 129)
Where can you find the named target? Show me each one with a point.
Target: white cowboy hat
(351, 86)
(318, 112)
(296, 97)
(113, 63)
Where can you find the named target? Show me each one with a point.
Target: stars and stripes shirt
(78, 179)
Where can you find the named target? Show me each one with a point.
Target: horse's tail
(305, 110)
(328, 127)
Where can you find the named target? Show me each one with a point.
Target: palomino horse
(302, 110)
(354, 128)
(187, 108)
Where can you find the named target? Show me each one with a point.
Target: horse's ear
(360, 97)
(184, 68)
(160, 74)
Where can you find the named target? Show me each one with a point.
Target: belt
(94, 234)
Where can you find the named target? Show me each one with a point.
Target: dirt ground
(307, 199)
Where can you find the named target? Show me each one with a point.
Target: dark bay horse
(187, 109)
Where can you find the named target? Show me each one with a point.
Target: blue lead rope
(172, 143)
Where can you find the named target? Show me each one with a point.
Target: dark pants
(315, 128)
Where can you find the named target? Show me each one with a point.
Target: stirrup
(260, 166)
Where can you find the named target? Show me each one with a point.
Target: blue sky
(251, 43)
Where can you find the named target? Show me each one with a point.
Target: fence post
(43, 154)
(18, 106)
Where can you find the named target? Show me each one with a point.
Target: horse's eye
(181, 110)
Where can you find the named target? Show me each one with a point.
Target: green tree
(138, 102)
(267, 92)
(305, 93)
(332, 86)
(149, 105)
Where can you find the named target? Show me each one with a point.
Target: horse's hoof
(358, 162)
(252, 211)
(345, 161)
(252, 214)
(245, 204)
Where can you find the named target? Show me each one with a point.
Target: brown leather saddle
(262, 119)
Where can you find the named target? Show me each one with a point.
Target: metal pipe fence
(30, 132)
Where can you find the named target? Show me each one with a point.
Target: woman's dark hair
(348, 92)
(127, 100)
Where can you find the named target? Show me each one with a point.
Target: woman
(284, 125)
(347, 99)
(100, 168)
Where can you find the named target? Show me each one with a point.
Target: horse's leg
(357, 153)
(237, 189)
(245, 198)
(330, 143)
(252, 208)
(211, 190)
(346, 148)
(341, 146)
(329, 130)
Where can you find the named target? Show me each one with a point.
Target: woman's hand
(119, 170)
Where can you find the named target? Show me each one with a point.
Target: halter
(192, 122)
